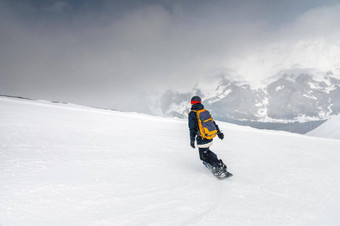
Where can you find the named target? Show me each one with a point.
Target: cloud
(107, 54)
(310, 41)
(321, 22)
(58, 7)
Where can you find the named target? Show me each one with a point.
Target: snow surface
(64, 164)
(329, 129)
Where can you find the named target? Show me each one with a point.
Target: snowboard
(224, 175)
(219, 175)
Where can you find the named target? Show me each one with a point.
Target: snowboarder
(205, 139)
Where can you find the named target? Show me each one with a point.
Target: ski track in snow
(73, 165)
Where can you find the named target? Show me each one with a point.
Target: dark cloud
(105, 53)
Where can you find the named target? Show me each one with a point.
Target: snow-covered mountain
(285, 83)
(329, 129)
(63, 164)
(294, 96)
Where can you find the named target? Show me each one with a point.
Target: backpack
(206, 125)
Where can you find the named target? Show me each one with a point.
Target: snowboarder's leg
(209, 157)
(210, 160)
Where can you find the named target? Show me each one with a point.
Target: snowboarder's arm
(219, 133)
(192, 126)
(218, 129)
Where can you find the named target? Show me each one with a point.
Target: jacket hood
(197, 107)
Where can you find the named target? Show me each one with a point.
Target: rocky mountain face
(290, 99)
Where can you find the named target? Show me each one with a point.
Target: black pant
(208, 156)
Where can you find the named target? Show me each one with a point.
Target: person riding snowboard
(204, 129)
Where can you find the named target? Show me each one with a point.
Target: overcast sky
(102, 53)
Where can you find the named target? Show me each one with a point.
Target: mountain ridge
(291, 98)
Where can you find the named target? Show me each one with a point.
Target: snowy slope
(70, 165)
(329, 129)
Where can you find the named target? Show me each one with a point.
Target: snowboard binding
(220, 171)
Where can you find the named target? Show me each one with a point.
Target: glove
(220, 135)
(192, 144)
